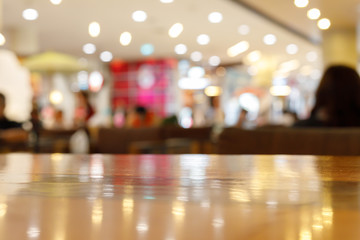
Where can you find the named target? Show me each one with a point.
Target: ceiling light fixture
(125, 38)
(214, 61)
(56, 97)
(215, 17)
(238, 48)
(30, 14)
(106, 56)
(301, 3)
(176, 30)
(324, 23)
(313, 13)
(244, 29)
(139, 16)
(254, 56)
(147, 49)
(166, 1)
(270, 39)
(96, 81)
(180, 49)
(203, 39)
(280, 91)
(311, 56)
(56, 2)
(196, 56)
(213, 91)
(89, 48)
(94, 29)
(196, 72)
(292, 49)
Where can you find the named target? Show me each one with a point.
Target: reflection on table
(167, 197)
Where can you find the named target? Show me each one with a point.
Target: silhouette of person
(84, 111)
(337, 99)
(10, 131)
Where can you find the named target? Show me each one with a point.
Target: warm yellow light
(3, 209)
(280, 90)
(324, 23)
(128, 205)
(56, 97)
(125, 38)
(254, 56)
(301, 3)
(289, 66)
(94, 29)
(238, 48)
(213, 91)
(2, 40)
(313, 13)
(56, 2)
(176, 30)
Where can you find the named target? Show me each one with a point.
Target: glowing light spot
(125, 38)
(139, 16)
(94, 29)
(30, 14)
(215, 17)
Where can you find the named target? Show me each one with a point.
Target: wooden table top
(168, 197)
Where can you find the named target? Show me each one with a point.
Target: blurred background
(150, 63)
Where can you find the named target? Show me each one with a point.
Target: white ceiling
(65, 27)
(343, 14)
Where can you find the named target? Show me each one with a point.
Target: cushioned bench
(153, 140)
(313, 141)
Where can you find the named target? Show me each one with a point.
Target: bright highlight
(238, 48)
(94, 29)
(176, 30)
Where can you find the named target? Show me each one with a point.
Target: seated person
(141, 117)
(337, 100)
(10, 131)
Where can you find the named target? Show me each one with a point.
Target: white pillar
(24, 40)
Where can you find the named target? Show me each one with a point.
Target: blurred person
(243, 119)
(337, 100)
(83, 111)
(119, 114)
(10, 131)
(289, 118)
(171, 121)
(80, 141)
(215, 117)
(59, 122)
(36, 125)
(141, 117)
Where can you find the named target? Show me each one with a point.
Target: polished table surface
(168, 197)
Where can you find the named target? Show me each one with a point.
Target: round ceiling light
(30, 14)
(139, 16)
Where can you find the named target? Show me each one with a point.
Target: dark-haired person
(337, 99)
(11, 132)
